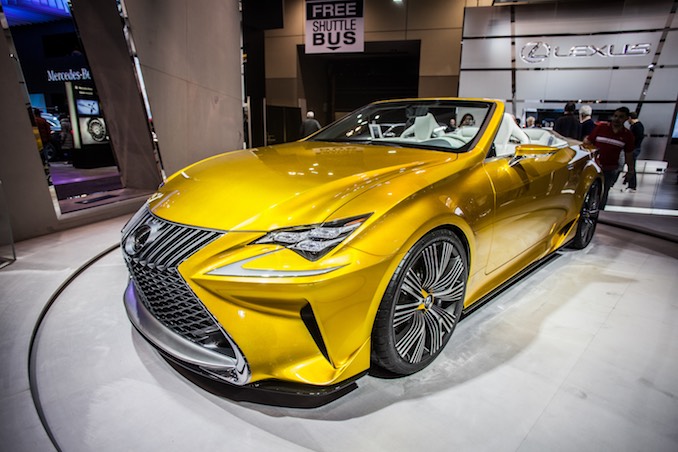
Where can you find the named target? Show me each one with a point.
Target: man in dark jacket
(638, 131)
(568, 125)
(309, 125)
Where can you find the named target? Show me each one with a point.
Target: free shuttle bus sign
(334, 26)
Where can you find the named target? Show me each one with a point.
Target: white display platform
(580, 355)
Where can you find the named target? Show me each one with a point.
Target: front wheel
(588, 218)
(422, 304)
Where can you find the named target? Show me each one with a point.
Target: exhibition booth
(576, 351)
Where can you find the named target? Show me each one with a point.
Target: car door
(531, 198)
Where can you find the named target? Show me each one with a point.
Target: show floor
(582, 355)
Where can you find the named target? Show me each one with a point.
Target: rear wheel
(588, 218)
(422, 304)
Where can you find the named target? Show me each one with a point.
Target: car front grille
(153, 250)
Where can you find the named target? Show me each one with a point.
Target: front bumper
(289, 323)
(214, 364)
(232, 370)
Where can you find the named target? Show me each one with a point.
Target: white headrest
(424, 126)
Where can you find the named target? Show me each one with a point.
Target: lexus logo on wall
(539, 51)
(535, 52)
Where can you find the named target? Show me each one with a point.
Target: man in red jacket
(611, 139)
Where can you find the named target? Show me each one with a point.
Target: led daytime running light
(313, 242)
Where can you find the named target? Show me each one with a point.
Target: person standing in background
(66, 137)
(611, 139)
(587, 124)
(638, 131)
(309, 125)
(45, 133)
(568, 125)
(44, 130)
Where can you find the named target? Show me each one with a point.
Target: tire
(588, 218)
(422, 304)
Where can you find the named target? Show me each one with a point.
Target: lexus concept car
(308, 263)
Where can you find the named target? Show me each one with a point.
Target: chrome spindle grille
(153, 249)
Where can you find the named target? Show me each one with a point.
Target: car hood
(281, 186)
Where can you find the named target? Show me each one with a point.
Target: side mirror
(529, 150)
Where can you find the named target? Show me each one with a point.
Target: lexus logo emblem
(535, 52)
(538, 51)
(138, 239)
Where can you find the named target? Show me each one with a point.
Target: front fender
(396, 232)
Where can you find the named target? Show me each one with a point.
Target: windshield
(446, 125)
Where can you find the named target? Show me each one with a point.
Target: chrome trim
(237, 269)
(233, 370)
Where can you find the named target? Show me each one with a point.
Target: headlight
(314, 241)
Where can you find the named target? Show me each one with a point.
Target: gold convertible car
(307, 263)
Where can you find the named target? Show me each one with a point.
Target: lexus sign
(536, 52)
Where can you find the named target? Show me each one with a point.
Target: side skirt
(510, 282)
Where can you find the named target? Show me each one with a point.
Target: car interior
(426, 130)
